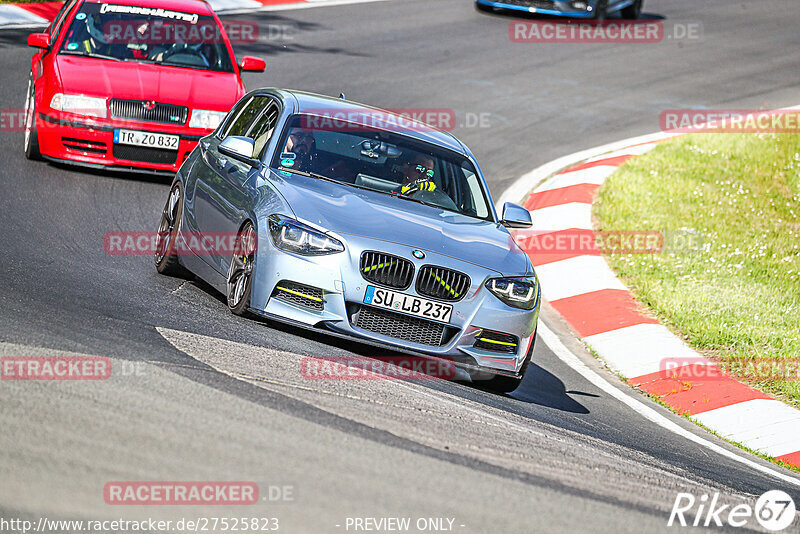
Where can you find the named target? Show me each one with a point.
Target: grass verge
(728, 280)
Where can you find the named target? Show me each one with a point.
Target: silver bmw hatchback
(360, 222)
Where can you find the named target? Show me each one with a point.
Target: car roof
(383, 119)
(200, 7)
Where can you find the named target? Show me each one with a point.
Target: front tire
(31, 137)
(507, 384)
(633, 11)
(483, 8)
(240, 273)
(166, 258)
(601, 10)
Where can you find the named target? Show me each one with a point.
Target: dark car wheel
(483, 8)
(601, 10)
(507, 384)
(240, 273)
(633, 11)
(166, 258)
(31, 138)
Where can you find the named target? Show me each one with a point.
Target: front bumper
(341, 288)
(67, 138)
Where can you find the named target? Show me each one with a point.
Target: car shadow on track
(546, 389)
(539, 387)
(278, 34)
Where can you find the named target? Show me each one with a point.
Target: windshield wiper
(82, 54)
(418, 201)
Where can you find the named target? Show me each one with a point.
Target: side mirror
(253, 64)
(39, 40)
(515, 216)
(239, 148)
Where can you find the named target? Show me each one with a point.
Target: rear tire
(507, 384)
(31, 138)
(633, 11)
(483, 8)
(166, 259)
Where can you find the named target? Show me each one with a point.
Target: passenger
(307, 158)
(302, 144)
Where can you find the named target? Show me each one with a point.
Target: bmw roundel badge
(418, 254)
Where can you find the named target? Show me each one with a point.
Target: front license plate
(148, 139)
(392, 300)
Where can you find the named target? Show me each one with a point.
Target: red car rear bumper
(90, 142)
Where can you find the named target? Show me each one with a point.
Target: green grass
(734, 293)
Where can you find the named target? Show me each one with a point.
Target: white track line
(565, 355)
(13, 16)
(575, 215)
(652, 344)
(576, 276)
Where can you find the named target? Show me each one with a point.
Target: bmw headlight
(519, 292)
(80, 105)
(203, 118)
(293, 236)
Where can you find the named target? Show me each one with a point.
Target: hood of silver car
(348, 210)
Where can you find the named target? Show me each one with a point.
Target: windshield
(381, 161)
(143, 34)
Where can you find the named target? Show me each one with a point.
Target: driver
(418, 173)
(303, 145)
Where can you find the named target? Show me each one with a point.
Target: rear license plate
(408, 304)
(147, 139)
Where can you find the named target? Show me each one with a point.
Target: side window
(222, 131)
(477, 195)
(240, 123)
(55, 27)
(262, 129)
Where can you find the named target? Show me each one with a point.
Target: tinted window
(261, 130)
(391, 163)
(244, 117)
(147, 35)
(223, 129)
(59, 20)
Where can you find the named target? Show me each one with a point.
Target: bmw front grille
(387, 270)
(442, 284)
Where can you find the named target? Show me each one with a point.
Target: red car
(130, 84)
